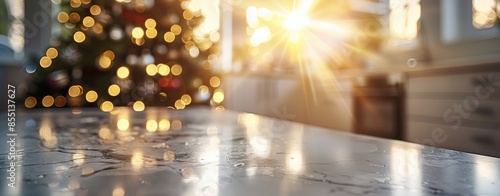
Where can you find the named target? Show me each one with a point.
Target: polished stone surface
(204, 152)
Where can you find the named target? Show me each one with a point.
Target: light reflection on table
(204, 152)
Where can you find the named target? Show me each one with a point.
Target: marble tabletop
(205, 152)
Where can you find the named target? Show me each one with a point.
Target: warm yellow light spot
(188, 15)
(137, 33)
(176, 70)
(179, 104)
(194, 51)
(114, 90)
(105, 133)
(151, 33)
(186, 99)
(122, 72)
(206, 65)
(45, 62)
(97, 28)
(215, 81)
(74, 17)
(79, 37)
(48, 101)
(139, 41)
(118, 191)
(176, 29)
(151, 125)
(169, 37)
(30, 102)
(164, 125)
(106, 106)
(151, 69)
(150, 23)
(52, 53)
(91, 96)
(86, 1)
(218, 96)
(75, 91)
(139, 106)
(163, 69)
(78, 158)
(75, 3)
(88, 21)
(122, 124)
(203, 90)
(104, 62)
(60, 101)
(63, 17)
(110, 54)
(95, 10)
(176, 124)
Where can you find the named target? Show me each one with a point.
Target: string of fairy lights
(196, 38)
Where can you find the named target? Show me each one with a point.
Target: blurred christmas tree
(130, 53)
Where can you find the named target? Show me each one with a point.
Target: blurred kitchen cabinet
(456, 108)
(330, 103)
(274, 96)
(317, 101)
(245, 93)
(285, 99)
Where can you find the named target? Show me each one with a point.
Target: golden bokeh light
(118, 191)
(106, 106)
(215, 81)
(60, 101)
(110, 54)
(164, 125)
(203, 90)
(48, 101)
(176, 70)
(114, 90)
(218, 96)
(163, 69)
(151, 125)
(122, 124)
(91, 96)
(104, 62)
(88, 22)
(45, 62)
(75, 91)
(179, 104)
(188, 15)
(151, 33)
(74, 17)
(75, 3)
(176, 124)
(206, 65)
(52, 53)
(137, 33)
(95, 10)
(63, 17)
(79, 37)
(150, 23)
(122, 72)
(186, 99)
(139, 106)
(30, 102)
(151, 69)
(176, 29)
(169, 37)
(97, 28)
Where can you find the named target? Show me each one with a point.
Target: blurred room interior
(420, 71)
